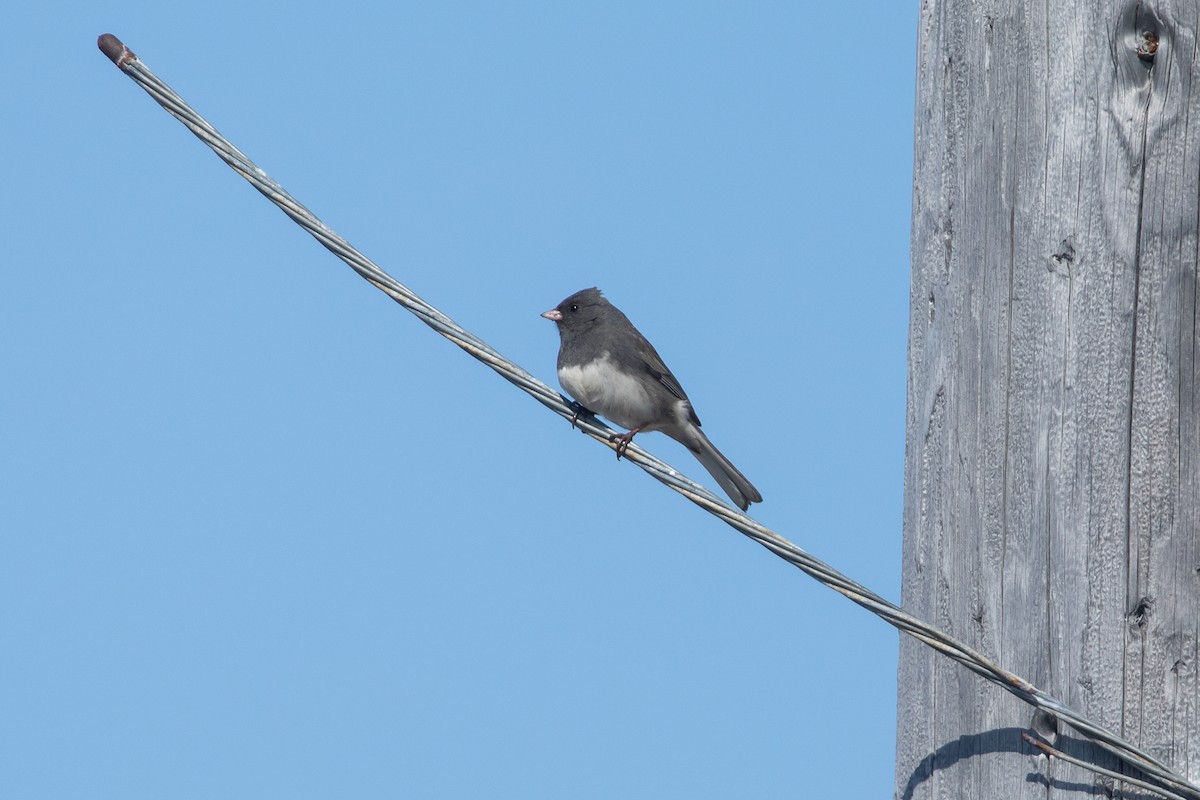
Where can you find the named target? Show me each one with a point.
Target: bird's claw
(578, 408)
(623, 440)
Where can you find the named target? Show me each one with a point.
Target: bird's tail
(740, 490)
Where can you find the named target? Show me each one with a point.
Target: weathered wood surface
(1052, 475)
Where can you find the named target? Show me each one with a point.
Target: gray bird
(610, 369)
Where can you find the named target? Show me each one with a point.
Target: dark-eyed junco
(610, 369)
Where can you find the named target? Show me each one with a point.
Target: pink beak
(554, 315)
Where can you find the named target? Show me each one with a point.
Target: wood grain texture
(1052, 473)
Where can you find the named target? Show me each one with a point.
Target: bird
(610, 369)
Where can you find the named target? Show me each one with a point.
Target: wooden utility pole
(1052, 475)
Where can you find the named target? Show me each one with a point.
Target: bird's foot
(623, 440)
(579, 410)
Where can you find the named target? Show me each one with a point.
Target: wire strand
(1051, 752)
(133, 67)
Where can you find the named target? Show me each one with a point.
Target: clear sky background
(266, 535)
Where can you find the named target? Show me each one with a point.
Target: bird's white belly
(602, 387)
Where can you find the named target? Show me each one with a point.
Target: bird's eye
(574, 306)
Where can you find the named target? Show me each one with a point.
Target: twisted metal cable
(1126, 752)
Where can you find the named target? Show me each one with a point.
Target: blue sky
(266, 535)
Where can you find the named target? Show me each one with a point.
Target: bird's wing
(653, 364)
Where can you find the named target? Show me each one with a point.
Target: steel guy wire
(133, 67)
(1108, 773)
